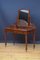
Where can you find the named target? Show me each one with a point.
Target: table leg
(14, 37)
(26, 41)
(5, 35)
(33, 39)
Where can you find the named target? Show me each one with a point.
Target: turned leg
(5, 35)
(26, 41)
(33, 39)
(14, 35)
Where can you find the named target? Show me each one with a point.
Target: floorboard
(17, 52)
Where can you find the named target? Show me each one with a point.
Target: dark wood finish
(21, 30)
(16, 30)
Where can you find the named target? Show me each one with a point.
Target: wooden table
(24, 31)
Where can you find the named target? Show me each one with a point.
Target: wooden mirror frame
(18, 21)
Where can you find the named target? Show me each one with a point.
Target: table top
(15, 28)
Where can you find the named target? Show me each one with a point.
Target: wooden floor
(17, 52)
